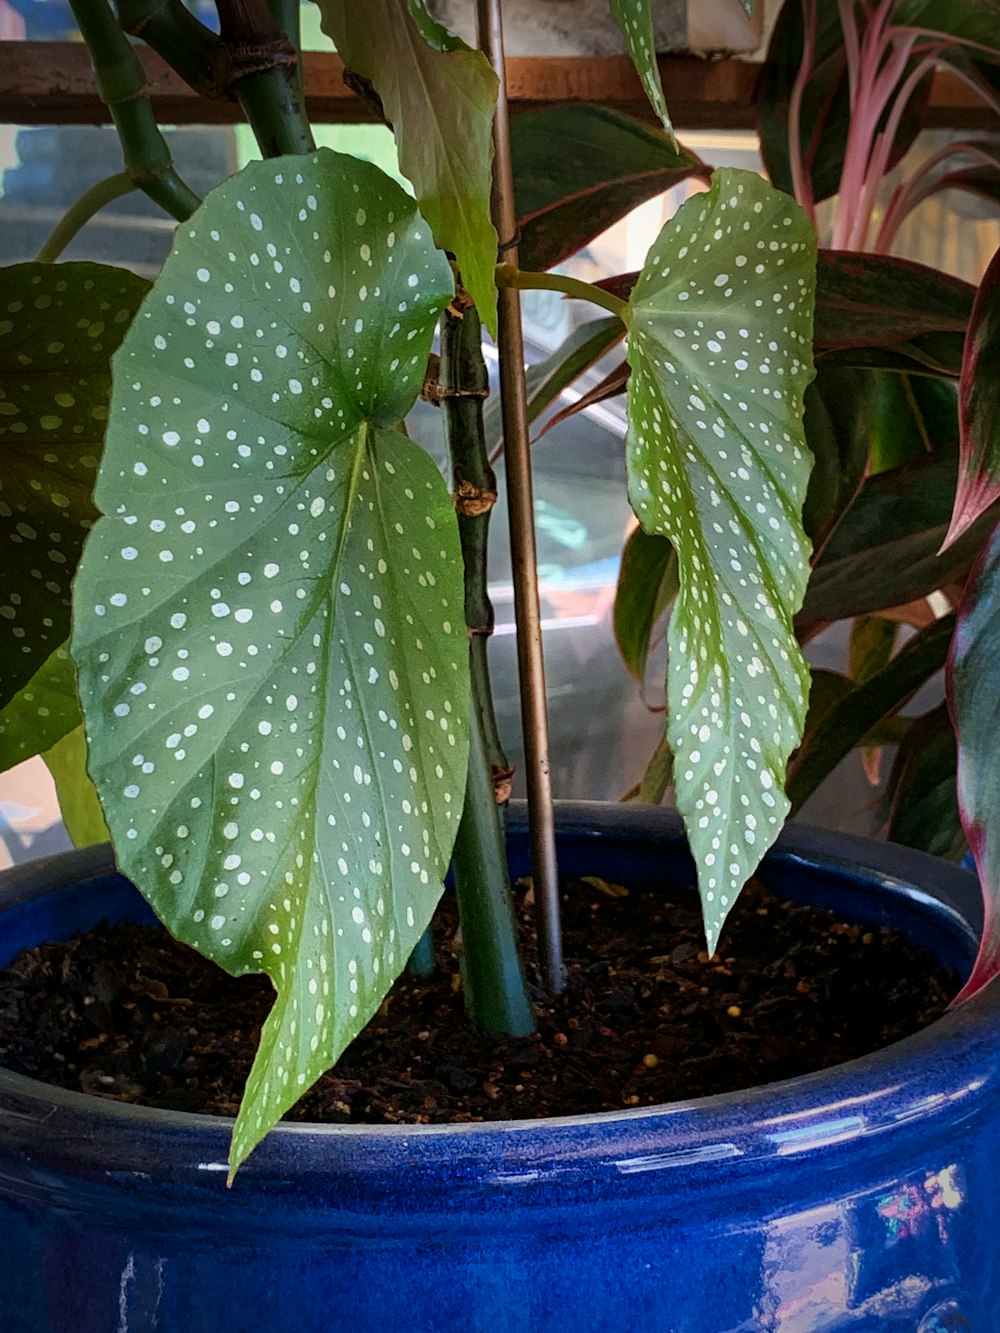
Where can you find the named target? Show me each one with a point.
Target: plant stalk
(511, 278)
(520, 506)
(121, 82)
(183, 41)
(80, 213)
(258, 62)
(496, 996)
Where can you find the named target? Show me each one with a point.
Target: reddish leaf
(973, 678)
(613, 384)
(922, 798)
(578, 169)
(979, 405)
(877, 301)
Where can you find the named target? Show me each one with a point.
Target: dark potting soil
(126, 1012)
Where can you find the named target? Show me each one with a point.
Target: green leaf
(78, 802)
(546, 380)
(635, 19)
(974, 691)
(921, 791)
(579, 169)
(648, 583)
(979, 397)
(659, 775)
(840, 406)
(873, 639)
(42, 712)
(977, 22)
(886, 550)
(272, 651)
(914, 415)
(720, 348)
(851, 720)
(440, 97)
(59, 325)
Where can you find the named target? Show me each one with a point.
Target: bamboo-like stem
(510, 277)
(520, 506)
(493, 984)
(259, 66)
(287, 14)
(489, 937)
(121, 82)
(80, 213)
(184, 42)
(464, 386)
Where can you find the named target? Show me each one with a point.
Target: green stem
(174, 33)
(287, 14)
(121, 82)
(260, 62)
(496, 997)
(496, 994)
(80, 213)
(421, 963)
(525, 280)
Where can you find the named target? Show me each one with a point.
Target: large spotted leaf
(269, 631)
(41, 713)
(59, 324)
(720, 349)
(439, 96)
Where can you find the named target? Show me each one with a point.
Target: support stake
(520, 504)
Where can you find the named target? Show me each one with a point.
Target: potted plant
(282, 675)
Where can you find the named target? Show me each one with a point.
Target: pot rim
(931, 1083)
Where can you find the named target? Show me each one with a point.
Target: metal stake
(520, 508)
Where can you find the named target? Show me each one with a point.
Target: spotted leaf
(439, 96)
(42, 712)
(636, 22)
(59, 324)
(272, 651)
(721, 322)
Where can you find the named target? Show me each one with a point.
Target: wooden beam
(51, 83)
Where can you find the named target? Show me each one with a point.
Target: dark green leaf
(647, 585)
(59, 325)
(851, 719)
(979, 397)
(840, 405)
(720, 349)
(921, 791)
(974, 695)
(972, 21)
(636, 22)
(269, 631)
(885, 551)
(41, 713)
(914, 415)
(578, 169)
(546, 380)
(877, 301)
(440, 97)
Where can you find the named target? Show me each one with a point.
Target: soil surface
(126, 1012)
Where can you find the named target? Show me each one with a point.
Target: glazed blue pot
(863, 1198)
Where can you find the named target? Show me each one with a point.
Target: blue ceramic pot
(862, 1198)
